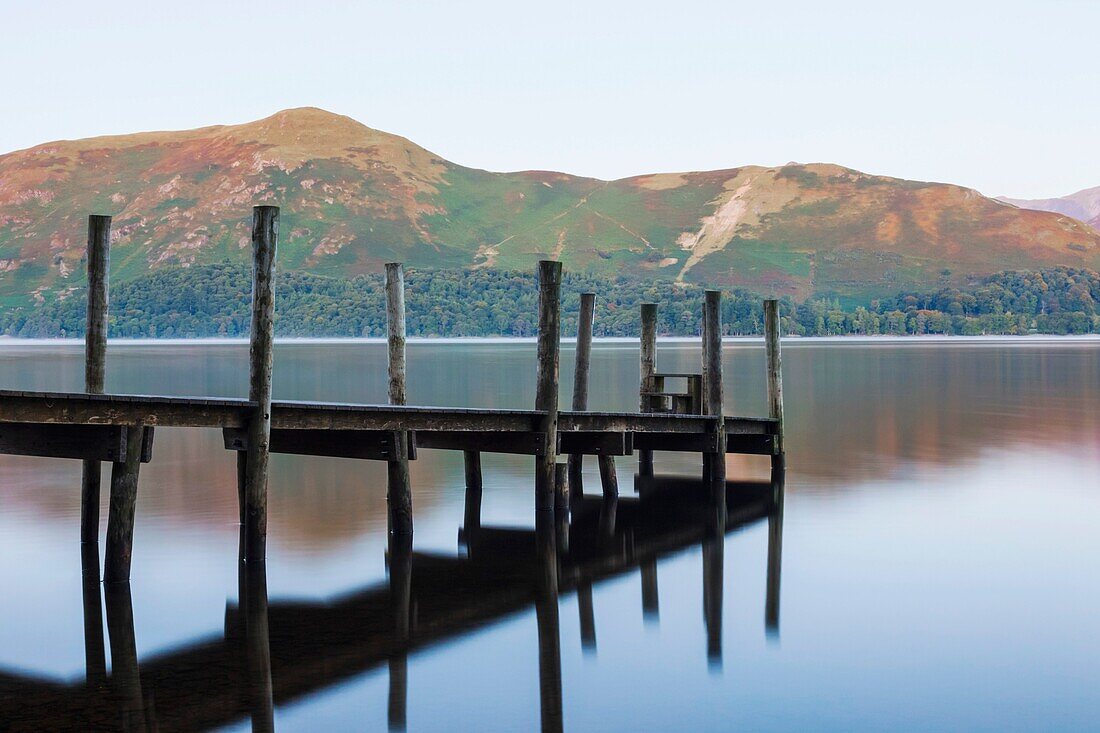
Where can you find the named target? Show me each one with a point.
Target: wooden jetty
(275, 653)
(119, 429)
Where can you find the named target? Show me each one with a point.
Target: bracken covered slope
(354, 198)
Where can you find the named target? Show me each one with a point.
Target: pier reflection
(274, 653)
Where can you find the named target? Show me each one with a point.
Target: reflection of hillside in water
(855, 412)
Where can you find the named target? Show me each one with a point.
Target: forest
(213, 301)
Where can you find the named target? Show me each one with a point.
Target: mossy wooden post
(580, 382)
(712, 399)
(121, 510)
(265, 235)
(547, 622)
(95, 360)
(775, 375)
(546, 385)
(399, 491)
(647, 368)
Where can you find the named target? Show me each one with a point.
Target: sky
(999, 96)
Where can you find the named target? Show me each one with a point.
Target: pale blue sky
(1001, 96)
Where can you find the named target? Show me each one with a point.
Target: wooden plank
(596, 443)
(394, 417)
(378, 445)
(677, 442)
(530, 444)
(85, 442)
(76, 408)
(633, 422)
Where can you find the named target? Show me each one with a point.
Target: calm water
(940, 557)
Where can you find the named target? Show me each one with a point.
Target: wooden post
(399, 492)
(95, 360)
(546, 386)
(712, 398)
(775, 371)
(123, 505)
(580, 382)
(647, 368)
(713, 578)
(471, 521)
(546, 619)
(95, 655)
(587, 616)
(650, 603)
(252, 589)
(265, 236)
(775, 558)
(125, 673)
(608, 479)
(400, 566)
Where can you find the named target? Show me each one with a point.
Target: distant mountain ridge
(1083, 205)
(354, 198)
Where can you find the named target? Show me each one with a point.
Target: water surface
(939, 554)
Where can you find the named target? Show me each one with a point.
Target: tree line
(213, 300)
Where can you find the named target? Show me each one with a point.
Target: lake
(940, 559)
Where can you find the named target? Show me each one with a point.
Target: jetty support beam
(715, 472)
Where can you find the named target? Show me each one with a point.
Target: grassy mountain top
(354, 198)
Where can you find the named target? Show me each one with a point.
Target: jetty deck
(119, 429)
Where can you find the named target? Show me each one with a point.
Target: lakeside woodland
(213, 300)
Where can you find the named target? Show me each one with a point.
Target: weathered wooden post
(399, 492)
(252, 589)
(775, 557)
(712, 399)
(123, 505)
(95, 361)
(400, 567)
(546, 619)
(546, 386)
(265, 236)
(650, 602)
(647, 368)
(587, 616)
(775, 375)
(471, 520)
(95, 655)
(714, 548)
(125, 673)
(580, 382)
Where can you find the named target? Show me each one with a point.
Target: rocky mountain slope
(1083, 205)
(354, 198)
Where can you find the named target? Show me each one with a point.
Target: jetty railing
(119, 429)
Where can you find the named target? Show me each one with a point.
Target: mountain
(353, 198)
(1083, 205)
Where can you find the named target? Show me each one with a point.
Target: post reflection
(278, 652)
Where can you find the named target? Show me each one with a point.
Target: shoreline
(13, 341)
